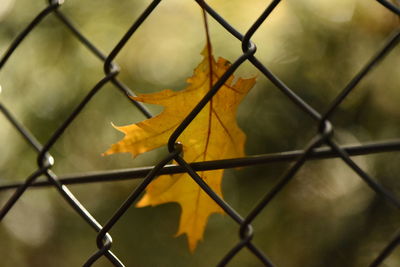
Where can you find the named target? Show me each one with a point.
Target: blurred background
(325, 217)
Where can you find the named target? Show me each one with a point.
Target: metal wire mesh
(322, 145)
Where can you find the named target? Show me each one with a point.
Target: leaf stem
(210, 64)
(208, 45)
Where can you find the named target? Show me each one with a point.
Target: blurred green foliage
(325, 217)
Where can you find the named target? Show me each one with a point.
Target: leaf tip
(192, 247)
(192, 242)
(109, 151)
(119, 128)
(143, 202)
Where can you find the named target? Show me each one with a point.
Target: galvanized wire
(322, 145)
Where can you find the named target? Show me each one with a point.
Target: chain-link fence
(321, 146)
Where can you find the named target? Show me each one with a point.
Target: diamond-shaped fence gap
(35, 99)
(149, 66)
(318, 69)
(91, 134)
(282, 121)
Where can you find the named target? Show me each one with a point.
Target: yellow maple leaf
(212, 135)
